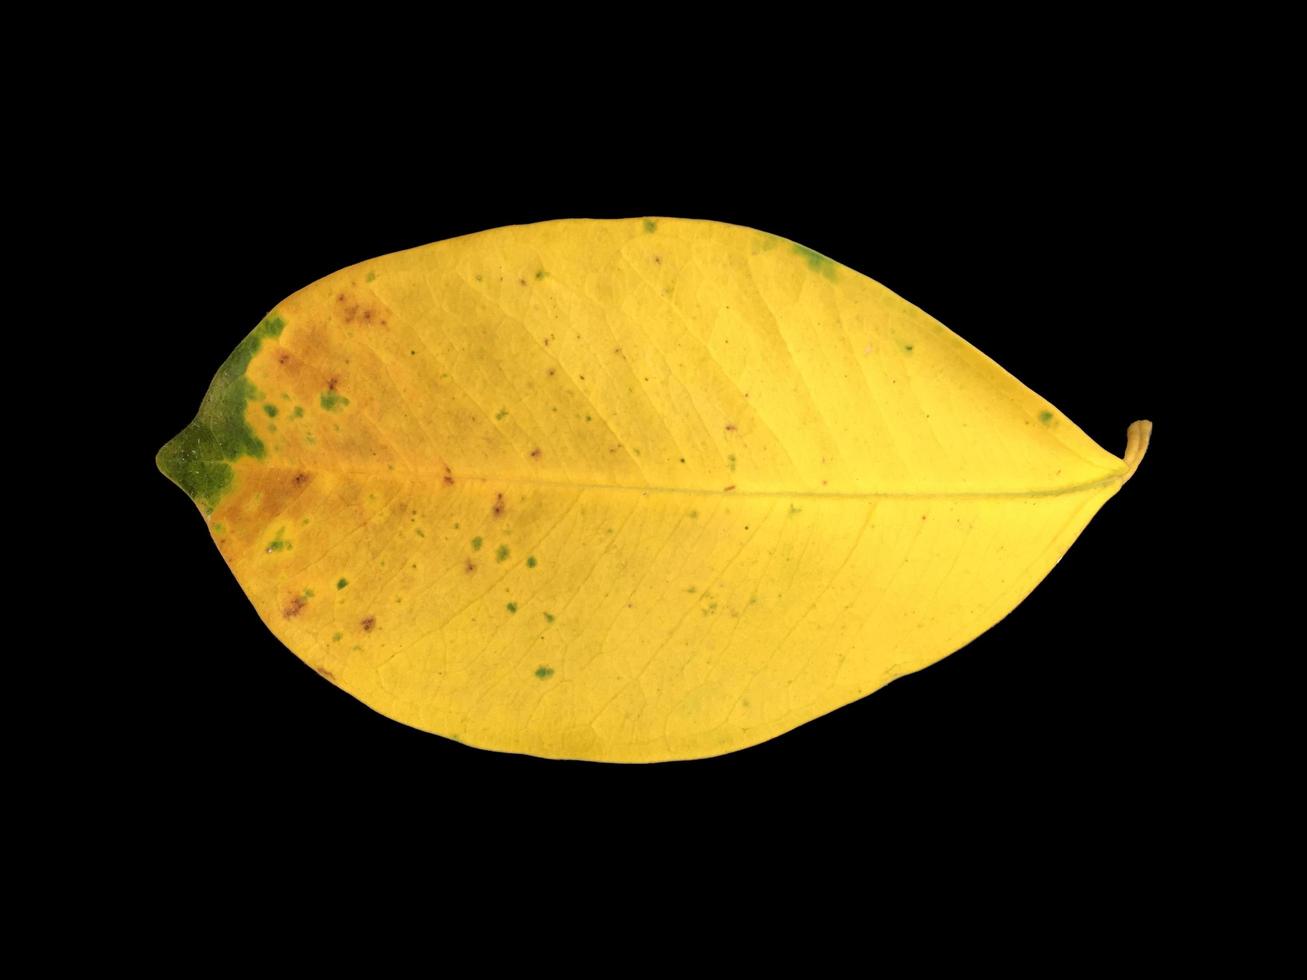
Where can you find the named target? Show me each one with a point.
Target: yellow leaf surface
(627, 490)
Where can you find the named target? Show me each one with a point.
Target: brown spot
(367, 315)
(447, 480)
(546, 341)
(340, 298)
(731, 427)
(658, 260)
(535, 453)
(283, 357)
(522, 282)
(294, 606)
(617, 350)
(331, 384)
(923, 517)
(301, 479)
(499, 505)
(470, 566)
(368, 623)
(326, 673)
(731, 487)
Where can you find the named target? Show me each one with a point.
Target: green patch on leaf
(332, 401)
(511, 607)
(340, 584)
(501, 552)
(816, 261)
(531, 562)
(271, 409)
(543, 672)
(199, 458)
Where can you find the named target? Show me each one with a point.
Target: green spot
(1046, 417)
(419, 533)
(335, 637)
(341, 583)
(501, 552)
(332, 401)
(795, 510)
(540, 273)
(816, 261)
(511, 607)
(531, 561)
(371, 276)
(587, 418)
(908, 348)
(271, 409)
(277, 544)
(217, 528)
(650, 226)
(199, 458)
(308, 593)
(305, 521)
(692, 590)
(298, 413)
(730, 462)
(476, 542)
(544, 672)
(501, 415)
(549, 617)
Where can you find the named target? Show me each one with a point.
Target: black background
(1054, 249)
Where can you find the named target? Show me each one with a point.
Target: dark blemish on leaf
(300, 479)
(476, 543)
(501, 415)
(550, 372)
(326, 673)
(795, 510)
(469, 567)
(549, 617)
(371, 276)
(730, 462)
(501, 553)
(419, 533)
(331, 384)
(535, 453)
(342, 583)
(1046, 417)
(658, 260)
(448, 479)
(413, 353)
(367, 623)
(298, 413)
(522, 282)
(331, 401)
(650, 226)
(283, 358)
(531, 561)
(731, 428)
(340, 297)
(908, 348)
(540, 273)
(335, 637)
(731, 487)
(498, 509)
(682, 459)
(544, 672)
(271, 409)
(511, 607)
(293, 607)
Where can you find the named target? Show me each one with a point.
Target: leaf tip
(1136, 445)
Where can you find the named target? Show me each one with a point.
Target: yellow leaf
(627, 490)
